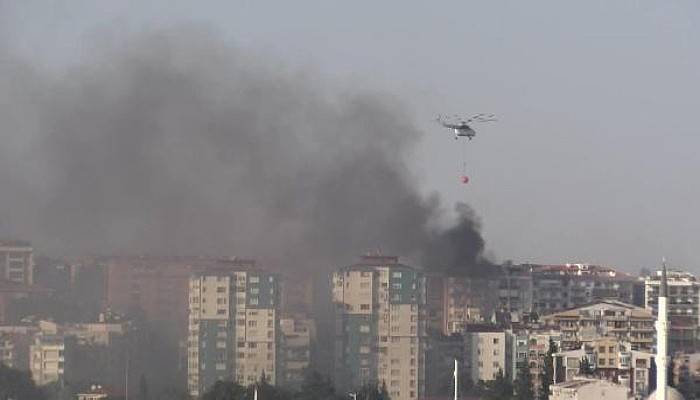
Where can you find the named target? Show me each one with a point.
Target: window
(611, 349)
(252, 323)
(364, 306)
(601, 349)
(254, 279)
(601, 361)
(364, 328)
(495, 340)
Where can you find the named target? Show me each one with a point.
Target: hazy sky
(595, 157)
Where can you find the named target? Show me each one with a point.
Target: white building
(588, 389)
(487, 353)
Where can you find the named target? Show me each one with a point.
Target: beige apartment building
(605, 318)
(233, 324)
(380, 326)
(49, 358)
(487, 353)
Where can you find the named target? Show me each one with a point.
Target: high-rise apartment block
(233, 328)
(17, 262)
(683, 307)
(380, 326)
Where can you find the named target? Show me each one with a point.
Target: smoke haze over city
(174, 142)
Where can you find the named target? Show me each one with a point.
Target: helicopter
(462, 127)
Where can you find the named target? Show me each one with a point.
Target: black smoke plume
(174, 142)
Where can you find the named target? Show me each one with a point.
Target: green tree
(18, 385)
(686, 385)
(266, 391)
(373, 391)
(547, 374)
(523, 384)
(316, 387)
(585, 367)
(225, 391)
(499, 388)
(143, 388)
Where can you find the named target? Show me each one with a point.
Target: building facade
(380, 326)
(487, 353)
(50, 358)
(233, 328)
(17, 262)
(298, 334)
(605, 318)
(683, 307)
(588, 389)
(530, 348)
(546, 289)
(468, 300)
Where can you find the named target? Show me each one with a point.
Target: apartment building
(605, 318)
(530, 348)
(468, 300)
(609, 359)
(50, 358)
(683, 308)
(298, 334)
(233, 328)
(380, 326)
(487, 352)
(17, 261)
(515, 289)
(547, 289)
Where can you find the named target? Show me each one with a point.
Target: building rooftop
(15, 243)
(602, 305)
(581, 270)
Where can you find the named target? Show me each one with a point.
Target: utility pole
(456, 380)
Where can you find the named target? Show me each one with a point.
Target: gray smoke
(173, 142)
